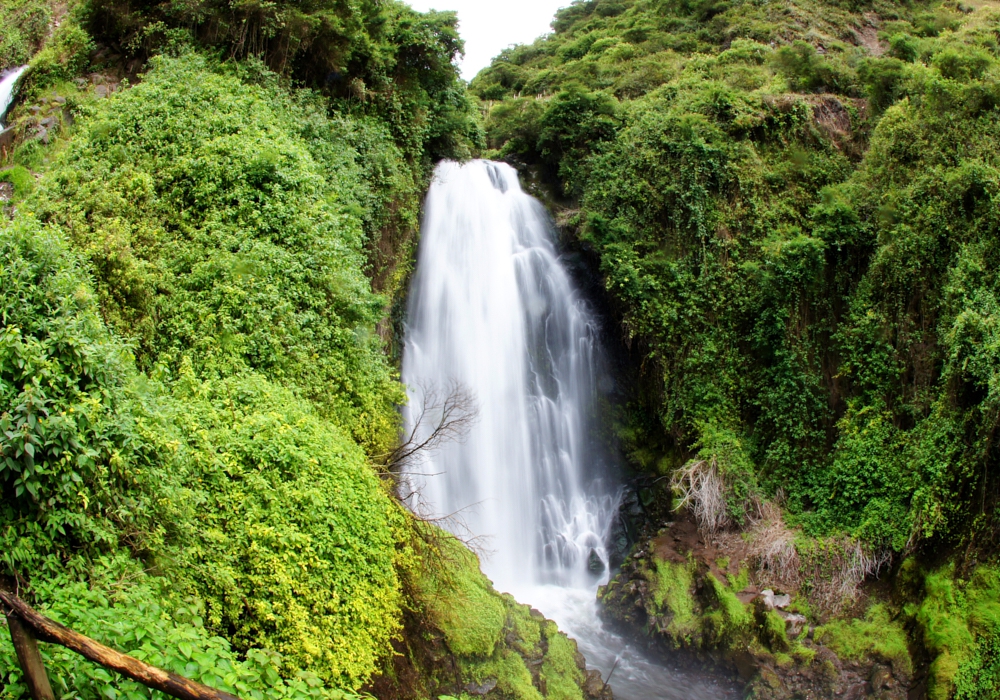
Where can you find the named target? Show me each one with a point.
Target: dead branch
(52, 632)
(444, 415)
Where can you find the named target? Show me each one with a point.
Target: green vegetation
(223, 223)
(281, 537)
(23, 25)
(493, 638)
(672, 586)
(461, 602)
(960, 621)
(877, 635)
(559, 670)
(792, 206)
(799, 235)
(193, 387)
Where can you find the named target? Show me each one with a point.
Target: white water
(8, 80)
(493, 309)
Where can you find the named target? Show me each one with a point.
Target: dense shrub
(235, 492)
(215, 234)
(807, 273)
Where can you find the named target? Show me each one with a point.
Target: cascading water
(8, 81)
(494, 311)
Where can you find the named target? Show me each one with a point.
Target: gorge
(665, 350)
(534, 481)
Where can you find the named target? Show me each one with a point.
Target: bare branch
(443, 416)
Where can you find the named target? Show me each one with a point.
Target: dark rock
(856, 691)
(595, 563)
(481, 688)
(7, 138)
(880, 678)
(593, 685)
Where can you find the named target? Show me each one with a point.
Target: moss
(673, 586)
(803, 654)
(958, 620)
(740, 581)
(876, 635)
(509, 671)
(773, 632)
(460, 601)
(729, 623)
(526, 628)
(559, 670)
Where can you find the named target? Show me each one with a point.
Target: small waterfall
(493, 310)
(8, 81)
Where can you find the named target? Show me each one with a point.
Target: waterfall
(8, 81)
(493, 312)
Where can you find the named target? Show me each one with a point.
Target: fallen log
(52, 632)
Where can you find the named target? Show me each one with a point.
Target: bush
(215, 234)
(808, 71)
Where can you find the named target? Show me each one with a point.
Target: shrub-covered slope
(198, 255)
(793, 206)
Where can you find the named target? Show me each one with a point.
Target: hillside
(208, 227)
(792, 209)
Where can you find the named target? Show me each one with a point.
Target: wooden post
(47, 630)
(26, 647)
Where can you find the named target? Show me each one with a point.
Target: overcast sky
(489, 26)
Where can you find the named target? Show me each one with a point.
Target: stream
(494, 316)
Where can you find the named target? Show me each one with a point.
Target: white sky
(489, 26)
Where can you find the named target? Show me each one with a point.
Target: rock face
(672, 590)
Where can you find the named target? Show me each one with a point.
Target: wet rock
(481, 688)
(771, 678)
(795, 624)
(595, 688)
(595, 563)
(880, 678)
